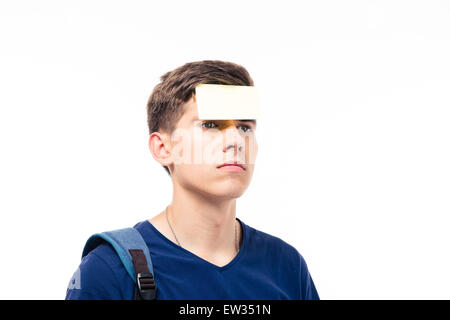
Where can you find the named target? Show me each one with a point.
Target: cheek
(251, 149)
(210, 149)
(193, 175)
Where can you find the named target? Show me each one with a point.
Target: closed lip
(235, 163)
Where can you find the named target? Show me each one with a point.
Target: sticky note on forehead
(226, 102)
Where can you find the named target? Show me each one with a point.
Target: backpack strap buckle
(146, 285)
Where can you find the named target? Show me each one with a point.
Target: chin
(222, 190)
(229, 191)
(226, 196)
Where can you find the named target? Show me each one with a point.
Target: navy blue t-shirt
(265, 267)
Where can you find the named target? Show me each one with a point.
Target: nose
(232, 139)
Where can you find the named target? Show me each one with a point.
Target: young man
(198, 247)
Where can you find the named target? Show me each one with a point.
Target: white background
(353, 162)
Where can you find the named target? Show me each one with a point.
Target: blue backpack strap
(134, 254)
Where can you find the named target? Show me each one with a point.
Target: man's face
(200, 147)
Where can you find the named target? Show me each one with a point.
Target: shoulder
(101, 275)
(282, 253)
(287, 258)
(280, 248)
(104, 256)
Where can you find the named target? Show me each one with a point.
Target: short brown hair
(165, 105)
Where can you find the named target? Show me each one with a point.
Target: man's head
(191, 150)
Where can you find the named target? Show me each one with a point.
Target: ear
(160, 148)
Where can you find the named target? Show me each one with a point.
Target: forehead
(190, 109)
(190, 112)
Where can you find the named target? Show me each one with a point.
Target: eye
(247, 128)
(205, 124)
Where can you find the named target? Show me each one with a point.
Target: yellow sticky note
(226, 102)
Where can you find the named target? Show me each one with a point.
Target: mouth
(234, 164)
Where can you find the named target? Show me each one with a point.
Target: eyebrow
(252, 121)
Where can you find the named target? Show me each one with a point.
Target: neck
(202, 225)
